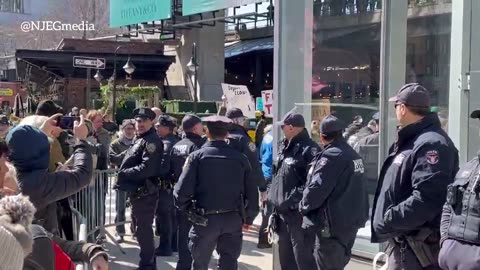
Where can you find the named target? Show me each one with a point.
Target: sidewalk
(251, 258)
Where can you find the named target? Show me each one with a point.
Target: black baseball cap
(233, 113)
(4, 120)
(218, 122)
(412, 94)
(292, 118)
(48, 108)
(331, 124)
(145, 113)
(475, 114)
(189, 121)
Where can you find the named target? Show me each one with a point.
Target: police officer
(165, 217)
(222, 206)
(367, 148)
(192, 141)
(459, 229)
(138, 176)
(290, 171)
(335, 199)
(412, 184)
(240, 140)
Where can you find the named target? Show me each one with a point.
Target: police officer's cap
(218, 122)
(475, 114)
(233, 113)
(412, 94)
(189, 121)
(166, 121)
(292, 118)
(331, 124)
(145, 113)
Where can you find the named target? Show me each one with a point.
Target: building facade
(351, 56)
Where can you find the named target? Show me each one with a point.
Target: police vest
(463, 196)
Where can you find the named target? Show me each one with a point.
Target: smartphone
(66, 122)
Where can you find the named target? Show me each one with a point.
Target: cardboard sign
(267, 97)
(238, 96)
(320, 109)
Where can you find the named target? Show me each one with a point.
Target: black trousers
(406, 262)
(295, 251)
(332, 253)
(224, 231)
(143, 209)
(65, 219)
(165, 222)
(184, 255)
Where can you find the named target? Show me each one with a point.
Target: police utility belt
(423, 244)
(150, 188)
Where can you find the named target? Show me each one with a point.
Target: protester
(266, 159)
(74, 112)
(102, 137)
(118, 149)
(4, 126)
(157, 112)
(16, 214)
(109, 124)
(49, 251)
(83, 112)
(32, 159)
(260, 129)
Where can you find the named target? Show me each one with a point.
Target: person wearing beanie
(16, 214)
(31, 161)
(191, 142)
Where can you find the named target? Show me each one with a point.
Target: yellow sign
(320, 109)
(6, 92)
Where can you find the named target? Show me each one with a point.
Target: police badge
(252, 147)
(151, 148)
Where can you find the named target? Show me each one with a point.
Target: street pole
(195, 94)
(114, 85)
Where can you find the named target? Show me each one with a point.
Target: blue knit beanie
(29, 148)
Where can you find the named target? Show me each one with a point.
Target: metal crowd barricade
(80, 231)
(97, 204)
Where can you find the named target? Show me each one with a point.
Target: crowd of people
(203, 182)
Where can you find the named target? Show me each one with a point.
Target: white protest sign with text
(238, 96)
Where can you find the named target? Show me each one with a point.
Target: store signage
(127, 12)
(89, 62)
(6, 92)
(267, 97)
(238, 96)
(200, 6)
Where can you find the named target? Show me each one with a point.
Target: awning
(246, 46)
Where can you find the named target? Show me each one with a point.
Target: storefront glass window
(345, 80)
(428, 51)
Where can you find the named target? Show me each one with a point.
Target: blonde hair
(35, 121)
(94, 114)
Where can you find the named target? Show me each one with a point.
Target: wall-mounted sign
(200, 6)
(127, 12)
(6, 92)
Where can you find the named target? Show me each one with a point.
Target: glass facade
(349, 40)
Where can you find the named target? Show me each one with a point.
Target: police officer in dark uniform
(165, 217)
(335, 199)
(460, 226)
(240, 140)
(223, 205)
(138, 176)
(290, 171)
(413, 182)
(192, 141)
(367, 148)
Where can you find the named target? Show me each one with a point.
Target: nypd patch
(314, 151)
(358, 166)
(252, 146)
(399, 159)
(151, 148)
(323, 161)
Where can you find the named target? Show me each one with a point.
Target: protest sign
(267, 97)
(238, 96)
